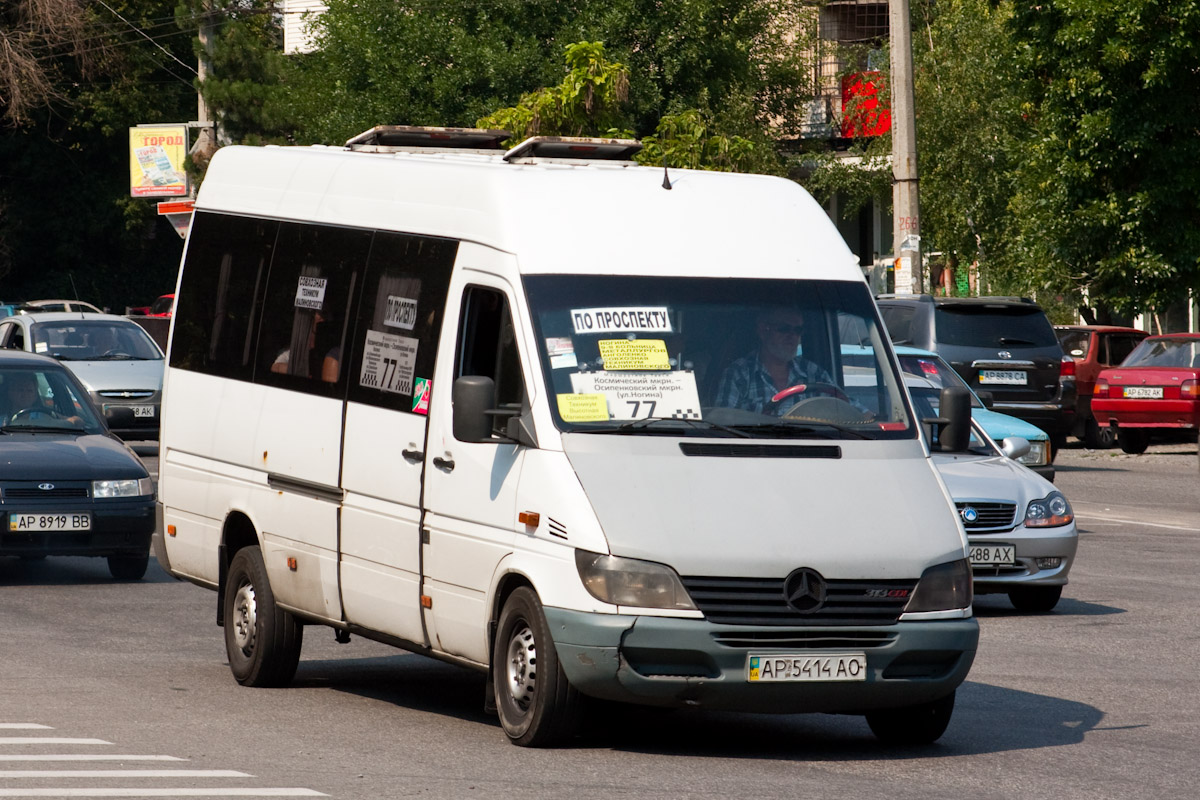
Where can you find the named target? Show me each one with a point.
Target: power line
(186, 66)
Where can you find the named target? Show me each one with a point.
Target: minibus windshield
(715, 357)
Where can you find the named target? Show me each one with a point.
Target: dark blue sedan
(68, 487)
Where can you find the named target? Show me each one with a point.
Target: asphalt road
(1096, 700)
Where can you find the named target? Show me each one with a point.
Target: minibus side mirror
(119, 417)
(954, 426)
(471, 399)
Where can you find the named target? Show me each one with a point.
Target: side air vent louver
(556, 528)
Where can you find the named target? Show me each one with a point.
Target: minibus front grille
(761, 601)
(988, 515)
(803, 640)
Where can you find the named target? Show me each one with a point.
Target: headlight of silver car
(1037, 456)
(630, 582)
(944, 587)
(128, 487)
(1051, 512)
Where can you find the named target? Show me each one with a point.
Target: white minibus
(588, 427)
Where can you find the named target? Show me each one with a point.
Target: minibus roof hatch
(413, 138)
(572, 148)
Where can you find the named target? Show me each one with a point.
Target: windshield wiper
(808, 426)
(1012, 340)
(114, 357)
(39, 429)
(636, 425)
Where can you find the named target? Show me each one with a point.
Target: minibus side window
(487, 346)
(314, 273)
(399, 321)
(224, 274)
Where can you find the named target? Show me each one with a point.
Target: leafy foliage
(1106, 194)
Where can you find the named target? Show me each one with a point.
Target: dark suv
(1002, 346)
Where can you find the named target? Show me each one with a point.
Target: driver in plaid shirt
(750, 382)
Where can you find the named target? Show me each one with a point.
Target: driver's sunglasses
(788, 330)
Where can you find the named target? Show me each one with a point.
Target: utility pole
(206, 142)
(906, 206)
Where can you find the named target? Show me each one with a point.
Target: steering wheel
(30, 412)
(815, 387)
(108, 353)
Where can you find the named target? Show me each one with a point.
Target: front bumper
(673, 662)
(1030, 544)
(119, 527)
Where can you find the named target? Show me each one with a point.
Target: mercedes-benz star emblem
(804, 590)
(969, 514)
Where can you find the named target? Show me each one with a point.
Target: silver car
(113, 357)
(1021, 530)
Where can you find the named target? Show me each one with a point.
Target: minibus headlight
(630, 582)
(943, 588)
(131, 487)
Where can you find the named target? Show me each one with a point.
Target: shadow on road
(997, 605)
(987, 719)
(67, 570)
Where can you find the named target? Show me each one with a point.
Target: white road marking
(122, 773)
(24, 726)
(1122, 521)
(87, 757)
(87, 792)
(47, 740)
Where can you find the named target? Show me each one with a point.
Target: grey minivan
(1004, 347)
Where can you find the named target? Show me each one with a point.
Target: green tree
(1106, 196)
(971, 134)
(67, 222)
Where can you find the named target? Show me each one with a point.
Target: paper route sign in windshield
(637, 319)
(636, 395)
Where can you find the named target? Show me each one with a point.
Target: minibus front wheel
(536, 704)
(262, 640)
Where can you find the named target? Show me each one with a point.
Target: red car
(1156, 389)
(164, 306)
(1094, 348)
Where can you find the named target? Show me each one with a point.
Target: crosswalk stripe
(24, 726)
(267, 792)
(47, 740)
(122, 773)
(85, 757)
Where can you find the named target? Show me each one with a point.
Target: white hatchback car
(1021, 530)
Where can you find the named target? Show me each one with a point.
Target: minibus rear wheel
(536, 703)
(262, 640)
(920, 724)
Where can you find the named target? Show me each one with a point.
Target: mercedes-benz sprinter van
(588, 427)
